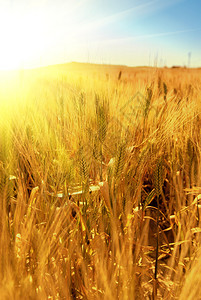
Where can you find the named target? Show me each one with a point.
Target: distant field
(100, 183)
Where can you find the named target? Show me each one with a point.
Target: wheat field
(100, 183)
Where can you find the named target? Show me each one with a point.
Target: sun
(22, 41)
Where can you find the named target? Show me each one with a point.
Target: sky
(135, 33)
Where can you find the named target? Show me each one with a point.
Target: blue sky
(134, 33)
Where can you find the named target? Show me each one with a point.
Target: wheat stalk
(158, 179)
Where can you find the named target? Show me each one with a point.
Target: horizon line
(97, 64)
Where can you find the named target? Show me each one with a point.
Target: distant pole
(189, 59)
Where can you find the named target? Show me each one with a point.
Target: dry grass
(79, 150)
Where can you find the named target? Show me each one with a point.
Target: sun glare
(22, 41)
